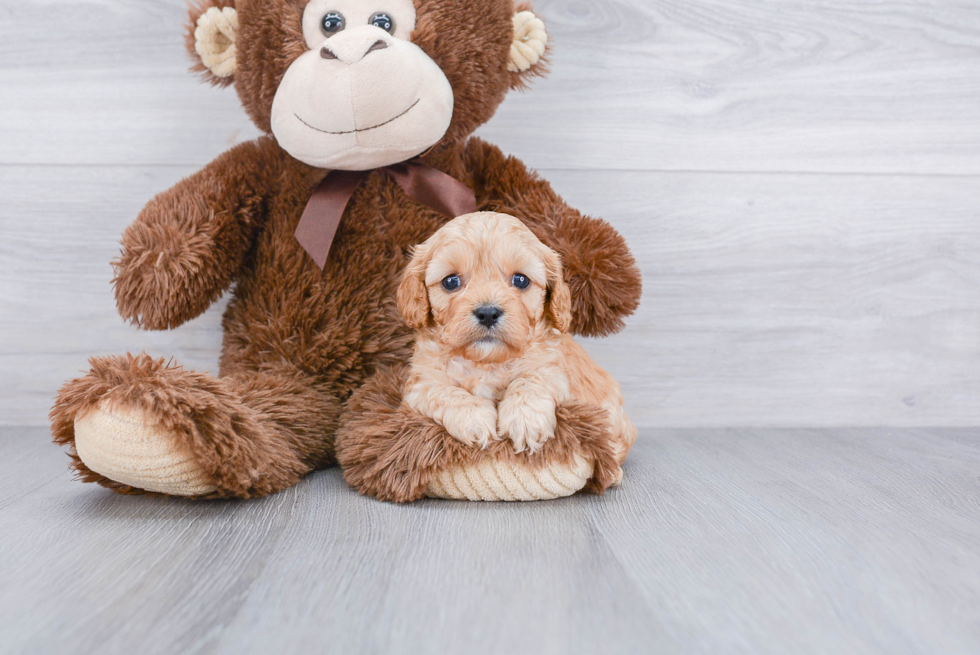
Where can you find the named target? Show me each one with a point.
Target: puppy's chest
(488, 383)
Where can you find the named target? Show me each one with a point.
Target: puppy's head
(484, 287)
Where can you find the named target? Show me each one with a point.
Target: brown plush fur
(391, 452)
(299, 342)
(253, 433)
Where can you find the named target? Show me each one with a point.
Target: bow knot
(424, 184)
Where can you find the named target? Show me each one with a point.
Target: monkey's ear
(528, 56)
(413, 296)
(211, 35)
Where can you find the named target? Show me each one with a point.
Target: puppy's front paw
(474, 423)
(527, 420)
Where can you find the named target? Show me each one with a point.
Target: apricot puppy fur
(492, 358)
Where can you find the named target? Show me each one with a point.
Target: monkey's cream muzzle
(362, 100)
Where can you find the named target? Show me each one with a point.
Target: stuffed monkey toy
(368, 110)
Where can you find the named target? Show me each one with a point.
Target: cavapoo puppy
(492, 360)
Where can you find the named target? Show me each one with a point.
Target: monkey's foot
(124, 445)
(134, 424)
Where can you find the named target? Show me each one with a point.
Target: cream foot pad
(120, 445)
(491, 479)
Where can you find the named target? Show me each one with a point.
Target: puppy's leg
(471, 419)
(591, 384)
(527, 412)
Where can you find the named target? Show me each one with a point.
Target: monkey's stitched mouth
(363, 129)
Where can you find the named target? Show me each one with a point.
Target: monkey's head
(359, 84)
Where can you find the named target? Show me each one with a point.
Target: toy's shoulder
(498, 173)
(480, 154)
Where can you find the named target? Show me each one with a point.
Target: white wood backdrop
(799, 180)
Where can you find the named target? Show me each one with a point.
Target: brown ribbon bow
(421, 183)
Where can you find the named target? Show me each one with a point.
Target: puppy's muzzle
(488, 315)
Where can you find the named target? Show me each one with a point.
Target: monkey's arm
(189, 242)
(600, 271)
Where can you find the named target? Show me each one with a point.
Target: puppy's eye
(520, 281)
(383, 21)
(451, 282)
(332, 23)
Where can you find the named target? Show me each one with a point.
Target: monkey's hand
(602, 276)
(600, 271)
(189, 242)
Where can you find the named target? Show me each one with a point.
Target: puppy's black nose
(488, 315)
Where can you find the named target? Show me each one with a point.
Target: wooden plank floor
(720, 541)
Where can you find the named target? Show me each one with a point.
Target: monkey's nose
(377, 45)
(348, 52)
(488, 315)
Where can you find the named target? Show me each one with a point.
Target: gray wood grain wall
(800, 182)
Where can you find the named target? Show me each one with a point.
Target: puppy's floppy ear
(528, 51)
(413, 296)
(558, 304)
(212, 30)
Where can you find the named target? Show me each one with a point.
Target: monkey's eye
(451, 282)
(332, 23)
(383, 21)
(520, 281)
